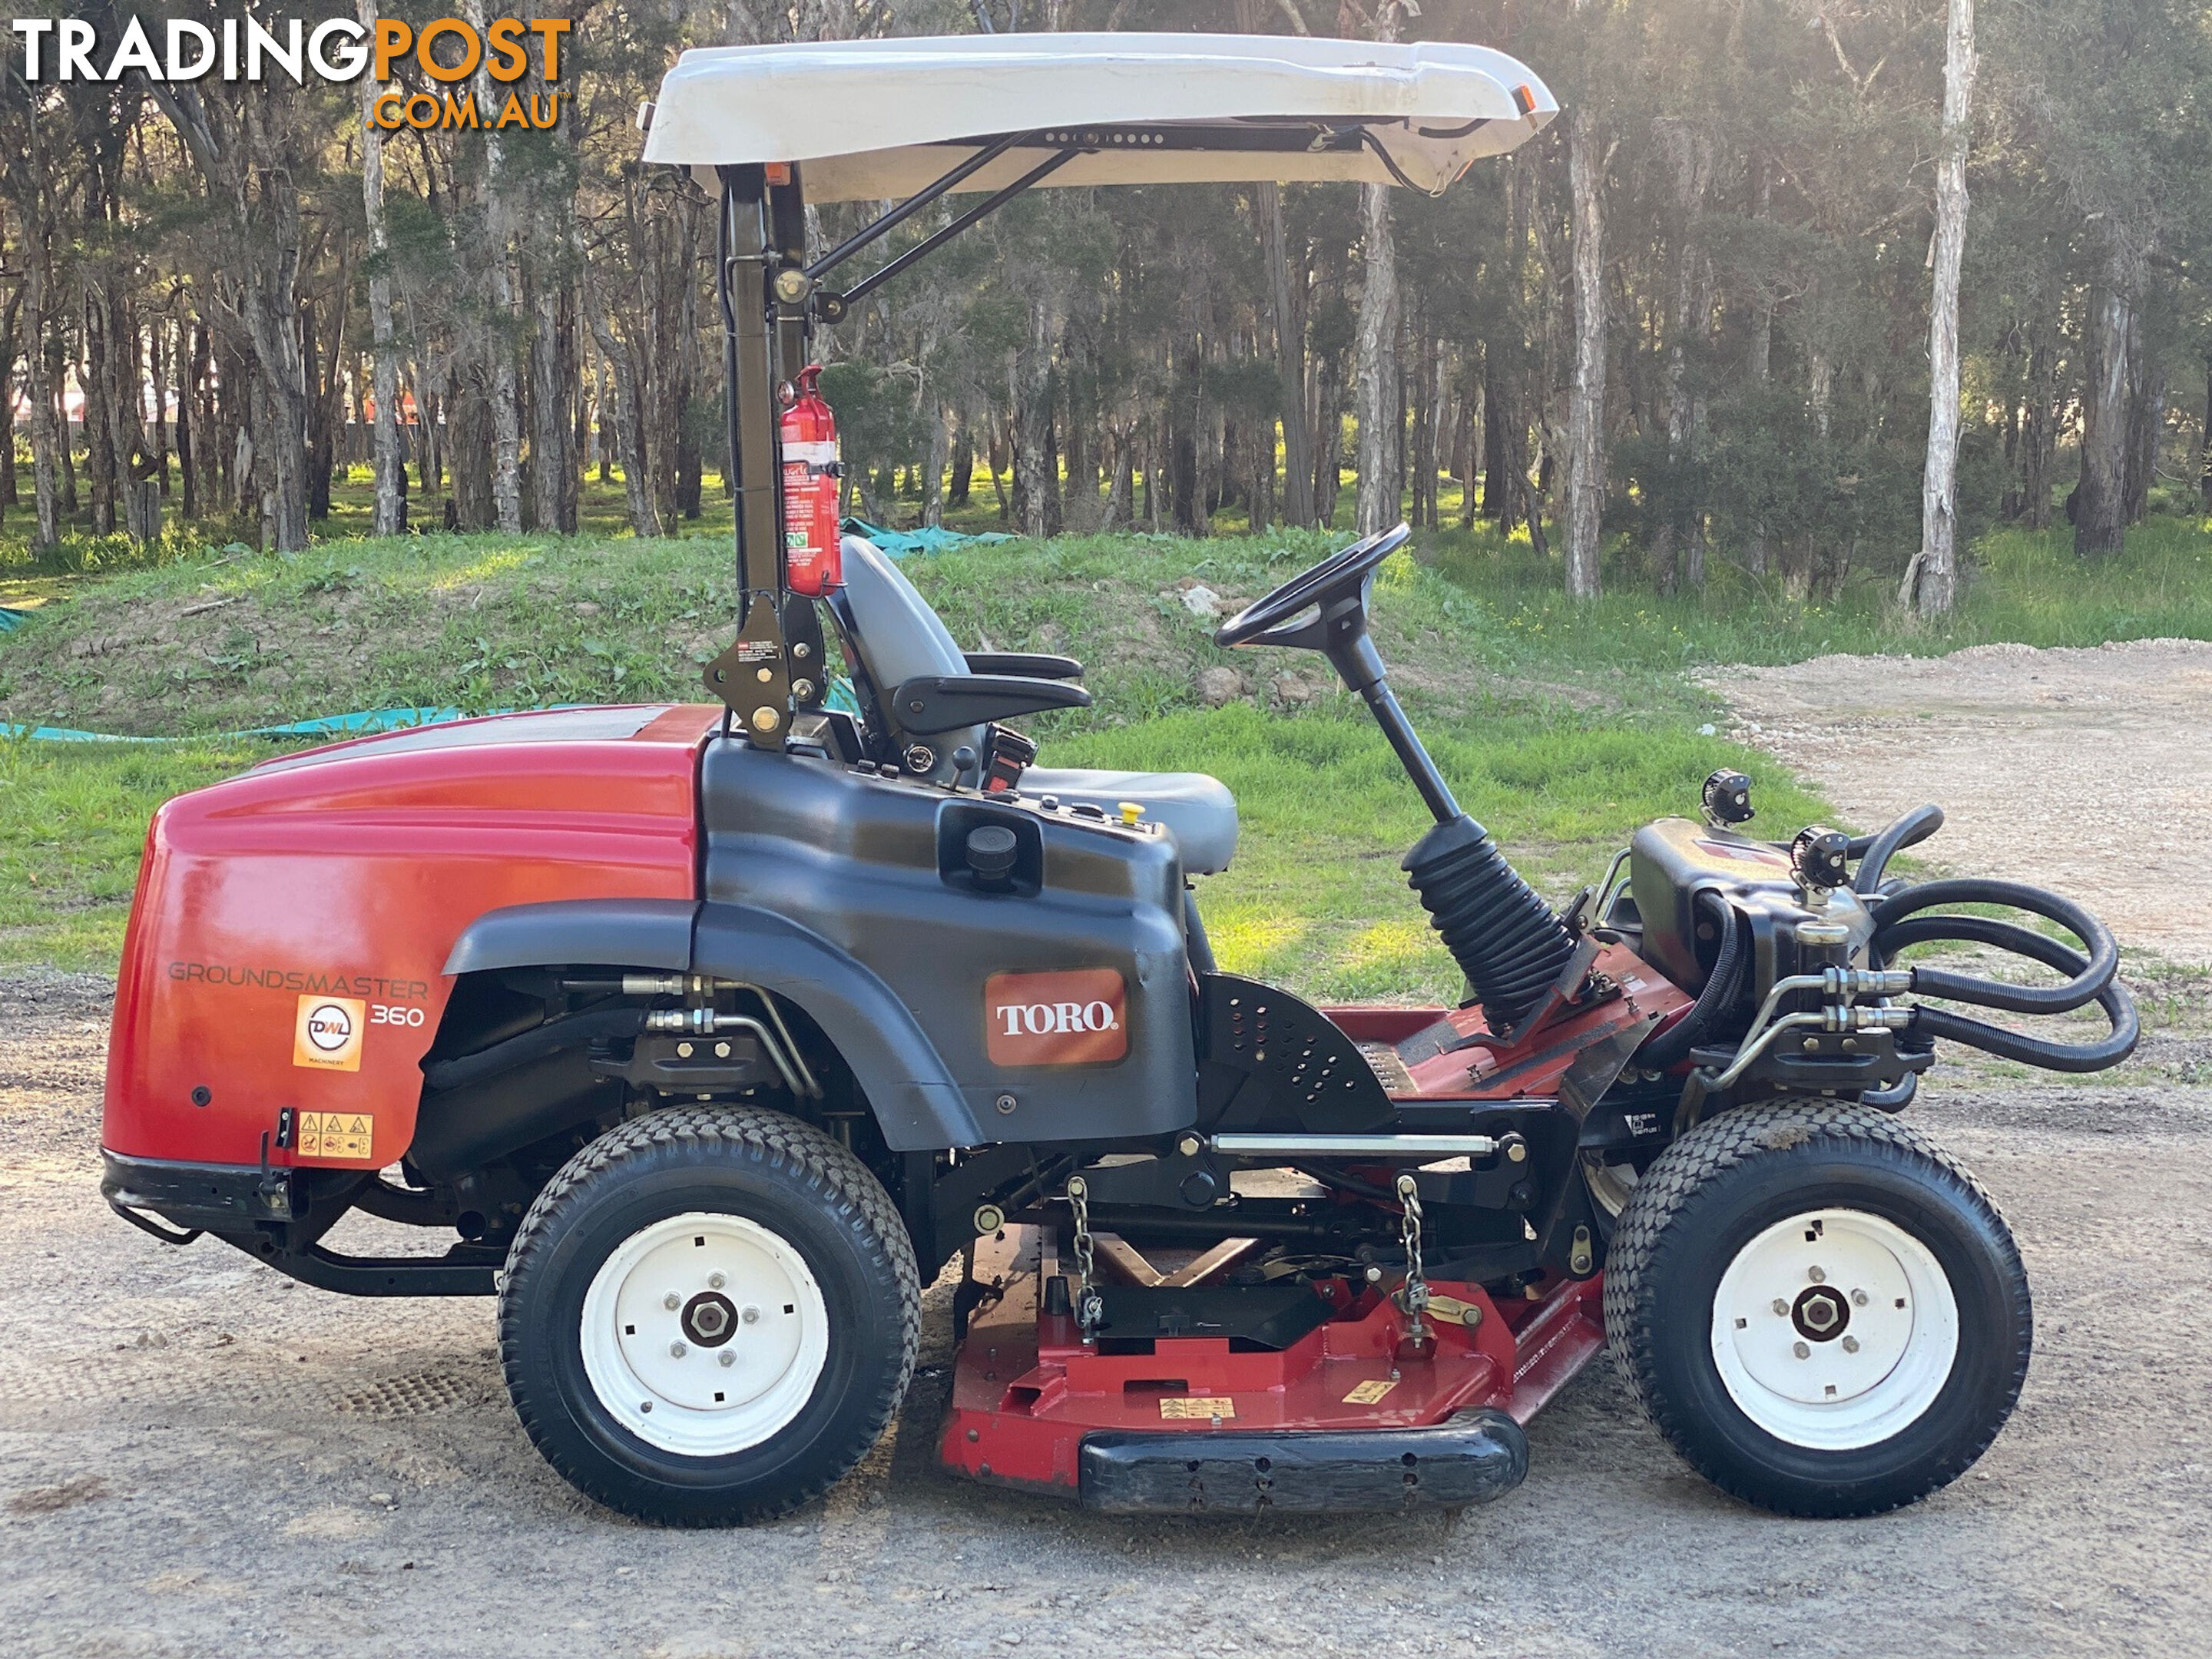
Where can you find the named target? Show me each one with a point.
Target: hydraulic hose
(2112, 998)
(1874, 852)
(550, 1038)
(2092, 974)
(1674, 1043)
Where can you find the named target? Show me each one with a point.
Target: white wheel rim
(659, 1370)
(1834, 1329)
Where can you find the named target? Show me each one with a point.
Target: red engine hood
(316, 898)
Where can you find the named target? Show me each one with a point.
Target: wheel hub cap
(1834, 1329)
(704, 1334)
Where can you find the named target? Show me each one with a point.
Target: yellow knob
(1131, 811)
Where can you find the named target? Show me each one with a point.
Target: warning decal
(1368, 1392)
(336, 1134)
(326, 1034)
(1201, 1406)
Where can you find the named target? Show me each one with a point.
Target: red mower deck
(1029, 1397)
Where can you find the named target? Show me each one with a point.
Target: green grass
(72, 819)
(1560, 727)
(1316, 899)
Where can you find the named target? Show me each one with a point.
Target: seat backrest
(896, 636)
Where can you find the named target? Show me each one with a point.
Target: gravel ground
(199, 1457)
(2104, 745)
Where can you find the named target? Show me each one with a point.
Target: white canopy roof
(875, 120)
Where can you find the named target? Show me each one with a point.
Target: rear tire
(797, 1312)
(1819, 1310)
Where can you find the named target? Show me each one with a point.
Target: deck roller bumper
(1472, 1458)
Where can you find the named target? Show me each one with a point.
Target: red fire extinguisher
(814, 563)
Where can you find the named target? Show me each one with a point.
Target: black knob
(990, 856)
(1820, 858)
(1727, 797)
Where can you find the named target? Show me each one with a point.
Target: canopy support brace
(929, 245)
(913, 204)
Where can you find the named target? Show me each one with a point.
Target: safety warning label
(336, 1134)
(1368, 1392)
(1202, 1407)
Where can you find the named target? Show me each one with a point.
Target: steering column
(1497, 927)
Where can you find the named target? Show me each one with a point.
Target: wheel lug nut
(726, 1358)
(676, 1350)
(1819, 1276)
(715, 1281)
(1801, 1351)
(1850, 1344)
(672, 1302)
(750, 1315)
(1858, 1298)
(1780, 1307)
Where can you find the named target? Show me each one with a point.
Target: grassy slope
(1560, 728)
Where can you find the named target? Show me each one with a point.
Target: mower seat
(1199, 810)
(896, 636)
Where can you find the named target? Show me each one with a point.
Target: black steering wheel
(1338, 584)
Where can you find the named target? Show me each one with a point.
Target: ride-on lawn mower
(705, 1034)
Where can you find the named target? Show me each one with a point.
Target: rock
(586, 608)
(1217, 686)
(1289, 689)
(1202, 601)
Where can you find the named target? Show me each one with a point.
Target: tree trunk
(390, 518)
(2204, 464)
(1585, 456)
(1762, 352)
(2039, 428)
(248, 170)
(1034, 464)
(933, 478)
(1931, 580)
(1374, 365)
(157, 377)
(964, 466)
(45, 443)
(191, 382)
(504, 390)
(2100, 507)
(623, 408)
(10, 348)
(1288, 297)
(2145, 422)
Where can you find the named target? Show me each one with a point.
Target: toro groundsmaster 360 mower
(705, 1034)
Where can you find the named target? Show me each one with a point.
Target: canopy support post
(752, 678)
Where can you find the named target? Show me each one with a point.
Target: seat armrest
(1034, 665)
(929, 703)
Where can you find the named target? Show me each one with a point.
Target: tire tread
(781, 1142)
(1635, 1262)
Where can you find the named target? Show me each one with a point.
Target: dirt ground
(2104, 748)
(199, 1457)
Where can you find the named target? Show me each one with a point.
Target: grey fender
(625, 933)
(918, 1106)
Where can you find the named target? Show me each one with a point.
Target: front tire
(1819, 1310)
(710, 1316)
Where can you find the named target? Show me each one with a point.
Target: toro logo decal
(1075, 1018)
(326, 1034)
